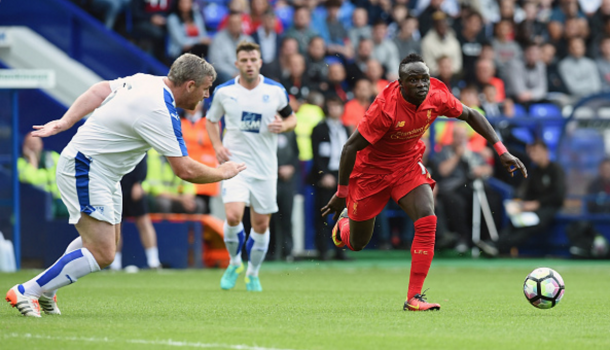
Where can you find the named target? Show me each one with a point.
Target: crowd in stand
(333, 57)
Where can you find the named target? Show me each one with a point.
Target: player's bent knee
(103, 256)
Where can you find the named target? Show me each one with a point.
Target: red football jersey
(394, 127)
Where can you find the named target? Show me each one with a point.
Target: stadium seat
(217, 2)
(213, 14)
(520, 111)
(285, 15)
(603, 113)
(545, 110)
(584, 113)
(524, 134)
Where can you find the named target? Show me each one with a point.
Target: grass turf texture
(307, 305)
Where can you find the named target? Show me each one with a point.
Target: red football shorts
(369, 193)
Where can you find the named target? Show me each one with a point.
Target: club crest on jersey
(266, 98)
(250, 122)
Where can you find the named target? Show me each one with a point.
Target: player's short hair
(190, 67)
(247, 46)
(411, 58)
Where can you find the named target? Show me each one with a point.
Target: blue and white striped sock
(74, 245)
(257, 246)
(234, 241)
(67, 270)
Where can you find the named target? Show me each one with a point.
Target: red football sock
(422, 252)
(344, 230)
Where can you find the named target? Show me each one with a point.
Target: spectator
(542, 193)
(222, 50)
(379, 10)
(573, 28)
(300, 29)
(149, 20)
(361, 28)
(457, 167)
(337, 86)
(398, 15)
(490, 104)
(485, 75)
(37, 167)
(200, 148)
(579, 73)
(471, 38)
(109, 10)
(170, 194)
(510, 11)
(297, 83)
(374, 73)
(316, 66)
(531, 29)
(599, 189)
(407, 39)
(566, 9)
(355, 109)
(506, 48)
(597, 37)
(309, 115)
(603, 63)
(267, 36)
(356, 69)
(384, 50)
(327, 140)
(445, 74)
(554, 81)
(426, 18)
(527, 81)
(278, 69)
(187, 31)
(600, 17)
(288, 173)
(338, 42)
(259, 11)
(441, 41)
(241, 7)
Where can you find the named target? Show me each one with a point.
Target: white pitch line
(168, 342)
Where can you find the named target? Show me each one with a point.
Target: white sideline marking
(168, 342)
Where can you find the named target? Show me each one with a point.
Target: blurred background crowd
(509, 59)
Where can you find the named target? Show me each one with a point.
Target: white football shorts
(84, 189)
(260, 195)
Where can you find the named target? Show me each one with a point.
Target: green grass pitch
(306, 305)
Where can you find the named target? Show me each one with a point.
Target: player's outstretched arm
(84, 104)
(355, 143)
(480, 124)
(192, 171)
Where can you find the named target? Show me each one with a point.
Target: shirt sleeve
(447, 104)
(375, 122)
(163, 132)
(216, 110)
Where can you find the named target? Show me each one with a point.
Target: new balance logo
(400, 124)
(68, 277)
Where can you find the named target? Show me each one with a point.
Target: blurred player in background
(252, 106)
(382, 160)
(129, 116)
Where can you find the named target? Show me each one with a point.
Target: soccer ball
(543, 288)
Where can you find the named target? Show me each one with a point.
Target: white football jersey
(247, 114)
(140, 113)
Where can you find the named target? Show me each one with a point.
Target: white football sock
(152, 257)
(234, 241)
(77, 243)
(117, 264)
(257, 246)
(67, 270)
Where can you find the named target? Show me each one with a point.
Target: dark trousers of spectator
(281, 222)
(151, 38)
(324, 226)
(514, 236)
(458, 204)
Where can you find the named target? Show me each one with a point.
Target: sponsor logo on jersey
(250, 122)
(400, 124)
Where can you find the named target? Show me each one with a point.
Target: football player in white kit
(256, 109)
(130, 115)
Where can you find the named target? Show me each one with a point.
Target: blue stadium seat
(213, 15)
(524, 134)
(545, 110)
(520, 111)
(285, 15)
(217, 2)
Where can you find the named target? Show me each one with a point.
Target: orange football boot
(336, 235)
(418, 303)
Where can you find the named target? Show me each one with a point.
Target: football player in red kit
(382, 160)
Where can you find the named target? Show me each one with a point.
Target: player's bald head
(190, 67)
